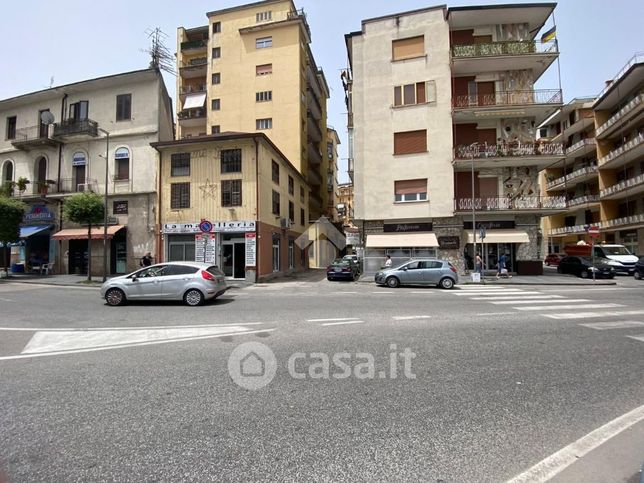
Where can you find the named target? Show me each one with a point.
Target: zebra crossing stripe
(536, 298)
(620, 324)
(532, 301)
(593, 315)
(496, 292)
(636, 337)
(571, 307)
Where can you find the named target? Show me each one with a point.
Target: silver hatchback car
(192, 282)
(420, 272)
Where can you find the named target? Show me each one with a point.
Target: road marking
(532, 301)
(90, 329)
(136, 344)
(342, 292)
(593, 315)
(47, 285)
(571, 307)
(529, 297)
(493, 292)
(6, 300)
(557, 462)
(379, 292)
(337, 319)
(411, 317)
(479, 287)
(424, 292)
(496, 313)
(620, 324)
(636, 337)
(345, 323)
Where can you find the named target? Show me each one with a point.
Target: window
(291, 185)
(291, 211)
(302, 194)
(216, 78)
(180, 164)
(291, 254)
(122, 159)
(120, 207)
(215, 104)
(231, 160)
(124, 107)
(276, 203)
(302, 217)
(410, 142)
(263, 42)
(408, 48)
(276, 253)
(181, 248)
(275, 172)
(79, 110)
(264, 96)
(179, 195)
(231, 194)
(264, 69)
(7, 172)
(216, 27)
(216, 52)
(418, 93)
(329, 151)
(261, 124)
(215, 129)
(11, 127)
(263, 16)
(411, 190)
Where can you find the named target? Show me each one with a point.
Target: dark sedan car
(639, 269)
(583, 267)
(342, 270)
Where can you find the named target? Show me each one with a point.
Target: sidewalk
(59, 280)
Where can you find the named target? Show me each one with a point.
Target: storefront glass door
(233, 255)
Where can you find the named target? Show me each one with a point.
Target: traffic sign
(593, 231)
(205, 226)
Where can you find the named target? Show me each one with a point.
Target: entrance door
(77, 257)
(239, 260)
(43, 129)
(234, 258)
(79, 178)
(227, 256)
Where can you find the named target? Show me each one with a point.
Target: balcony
(194, 68)
(192, 117)
(632, 111)
(624, 154)
(522, 204)
(314, 177)
(569, 230)
(507, 154)
(315, 158)
(194, 45)
(314, 110)
(76, 129)
(501, 56)
(581, 148)
(193, 89)
(313, 130)
(574, 178)
(624, 221)
(34, 137)
(583, 200)
(609, 96)
(72, 185)
(627, 187)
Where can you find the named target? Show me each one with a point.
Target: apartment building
(251, 69)
(55, 144)
(345, 204)
(234, 200)
(443, 112)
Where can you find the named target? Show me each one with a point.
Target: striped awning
(81, 233)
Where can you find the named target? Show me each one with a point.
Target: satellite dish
(47, 117)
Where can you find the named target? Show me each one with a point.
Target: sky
(73, 40)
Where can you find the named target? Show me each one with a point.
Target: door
(79, 178)
(239, 260)
(433, 271)
(175, 280)
(413, 273)
(227, 259)
(43, 129)
(485, 92)
(77, 257)
(146, 283)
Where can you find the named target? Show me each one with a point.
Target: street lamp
(107, 160)
(473, 210)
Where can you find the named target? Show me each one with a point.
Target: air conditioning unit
(285, 223)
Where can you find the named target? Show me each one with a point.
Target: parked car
(620, 258)
(419, 272)
(192, 282)
(553, 259)
(341, 269)
(355, 260)
(583, 267)
(639, 269)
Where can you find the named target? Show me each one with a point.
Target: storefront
(401, 242)
(499, 237)
(34, 249)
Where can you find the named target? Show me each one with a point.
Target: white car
(192, 282)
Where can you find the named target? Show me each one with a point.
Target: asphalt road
(502, 378)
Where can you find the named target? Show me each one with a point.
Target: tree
(85, 208)
(11, 214)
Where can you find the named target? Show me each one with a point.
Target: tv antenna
(160, 56)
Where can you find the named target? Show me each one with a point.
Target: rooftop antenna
(160, 56)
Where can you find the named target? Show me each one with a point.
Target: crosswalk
(558, 307)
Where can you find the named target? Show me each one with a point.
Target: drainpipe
(257, 211)
(159, 242)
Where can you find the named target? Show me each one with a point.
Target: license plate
(337, 269)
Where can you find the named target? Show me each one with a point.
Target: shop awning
(81, 233)
(500, 236)
(194, 101)
(395, 240)
(27, 231)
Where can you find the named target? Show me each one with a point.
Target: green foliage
(22, 183)
(6, 189)
(84, 208)
(11, 214)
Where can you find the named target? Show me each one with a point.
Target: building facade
(56, 140)
(442, 115)
(233, 200)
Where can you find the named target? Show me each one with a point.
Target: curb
(76, 285)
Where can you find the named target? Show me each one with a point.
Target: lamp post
(107, 160)
(473, 210)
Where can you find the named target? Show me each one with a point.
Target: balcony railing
(191, 114)
(624, 111)
(190, 89)
(636, 59)
(34, 135)
(299, 14)
(582, 200)
(194, 44)
(76, 127)
(530, 203)
(198, 62)
(73, 185)
(578, 173)
(511, 149)
(623, 185)
(521, 47)
(581, 144)
(626, 220)
(568, 230)
(509, 98)
(614, 154)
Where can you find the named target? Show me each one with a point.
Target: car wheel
(446, 283)
(584, 274)
(393, 282)
(193, 297)
(637, 275)
(114, 297)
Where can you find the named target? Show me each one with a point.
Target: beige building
(442, 116)
(345, 204)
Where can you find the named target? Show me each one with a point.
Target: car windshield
(616, 250)
(340, 262)
(215, 271)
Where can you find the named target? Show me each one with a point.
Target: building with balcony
(443, 111)
(55, 145)
(251, 69)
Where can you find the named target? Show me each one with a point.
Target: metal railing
(194, 44)
(190, 89)
(623, 185)
(582, 200)
(626, 220)
(520, 47)
(509, 98)
(581, 144)
(507, 149)
(620, 114)
(192, 114)
(76, 127)
(615, 153)
(33, 133)
(198, 62)
(508, 203)
(299, 14)
(636, 59)
(73, 185)
(572, 176)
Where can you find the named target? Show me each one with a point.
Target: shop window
(408, 48)
(181, 248)
(180, 164)
(231, 192)
(122, 159)
(275, 172)
(124, 107)
(264, 69)
(411, 190)
(179, 195)
(276, 203)
(276, 253)
(231, 160)
(410, 142)
(11, 127)
(291, 185)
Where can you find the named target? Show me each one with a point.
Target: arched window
(7, 172)
(122, 160)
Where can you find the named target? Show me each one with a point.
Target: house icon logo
(252, 365)
(322, 231)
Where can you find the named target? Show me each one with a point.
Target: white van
(622, 260)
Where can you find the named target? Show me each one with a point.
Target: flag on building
(549, 35)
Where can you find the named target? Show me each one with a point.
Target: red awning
(81, 233)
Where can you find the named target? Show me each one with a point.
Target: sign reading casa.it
(215, 227)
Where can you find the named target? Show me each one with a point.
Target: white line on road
(593, 315)
(345, 323)
(533, 301)
(496, 313)
(337, 319)
(342, 293)
(567, 307)
(529, 297)
(411, 317)
(505, 293)
(636, 337)
(620, 324)
(89, 329)
(6, 300)
(379, 292)
(557, 462)
(424, 292)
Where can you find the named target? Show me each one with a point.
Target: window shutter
(420, 93)
(431, 91)
(397, 96)
(408, 48)
(410, 142)
(264, 69)
(410, 186)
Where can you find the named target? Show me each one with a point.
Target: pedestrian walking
(479, 264)
(388, 262)
(502, 268)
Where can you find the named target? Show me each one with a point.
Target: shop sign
(180, 228)
(79, 159)
(120, 207)
(234, 226)
(205, 248)
(353, 238)
(407, 227)
(490, 225)
(251, 249)
(39, 213)
(449, 242)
